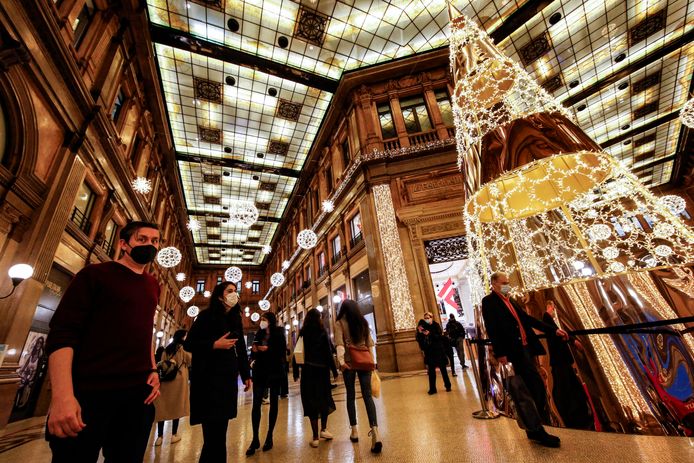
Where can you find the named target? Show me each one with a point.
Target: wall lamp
(18, 273)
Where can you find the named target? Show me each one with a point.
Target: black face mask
(143, 254)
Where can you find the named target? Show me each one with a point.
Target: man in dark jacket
(456, 333)
(510, 330)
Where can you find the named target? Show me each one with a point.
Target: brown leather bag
(361, 358)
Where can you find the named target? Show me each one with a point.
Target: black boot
(542, 437)
(268, 443)
(255, 445)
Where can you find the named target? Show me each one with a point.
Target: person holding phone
(219, 355)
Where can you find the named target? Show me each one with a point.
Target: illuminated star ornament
(169, 257)
(233, 274)
(306, 239)
(142, 185)
(328, 206)
(193, 224)
(186, 293)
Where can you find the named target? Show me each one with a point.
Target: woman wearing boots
(268, 354)
(351, 329)
(316, 395)
(430, 339)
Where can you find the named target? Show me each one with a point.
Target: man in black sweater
(510, 330)
(101, 363)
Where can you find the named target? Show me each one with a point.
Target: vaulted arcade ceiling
(248, 83)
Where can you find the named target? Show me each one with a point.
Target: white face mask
(263, 325)
(505, 289)
(428, 320)
(232, 298)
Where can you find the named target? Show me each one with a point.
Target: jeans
(260, 386)
(118, 422)
(214, 446)
(350, 377)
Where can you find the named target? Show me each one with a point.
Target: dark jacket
(317, 353)
(455, 330)
(433, 345)
(559, 352)
(271, 363)
(214, 376)
(503, 331)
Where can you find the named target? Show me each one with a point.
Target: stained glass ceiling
(242, 131)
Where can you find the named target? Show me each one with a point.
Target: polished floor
(415, 427)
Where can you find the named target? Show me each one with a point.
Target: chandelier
(169, 257)
(243, 213)
(306, 239)
(277, 279)
(233, 274)
(186, 293)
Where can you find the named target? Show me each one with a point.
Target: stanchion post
(485, 413)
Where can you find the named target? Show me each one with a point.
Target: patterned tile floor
(415, 427)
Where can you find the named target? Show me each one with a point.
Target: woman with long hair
(269, 359)
(174, 402)
(351, 329)
(316, 395)
(219, 355)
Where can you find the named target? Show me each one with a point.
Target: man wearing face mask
(510, 330)
(101, 364)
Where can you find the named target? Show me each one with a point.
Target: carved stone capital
(9, 215)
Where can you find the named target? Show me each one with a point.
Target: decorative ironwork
(652, 24)
(553, 83)
(534, 49)
(446, 249)
(210, 135)
(278, 147)
(646, 82)
(207, 90)
(288, 110)
(646, 109)
(310, 26)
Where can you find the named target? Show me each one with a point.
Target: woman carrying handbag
(355, 357)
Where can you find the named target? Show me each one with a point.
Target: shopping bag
(526, 412)
(375, 384)
(299, 351)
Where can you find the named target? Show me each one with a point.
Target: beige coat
(174, 401)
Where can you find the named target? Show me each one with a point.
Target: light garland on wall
(396, 274)
(687, 114)
(142, 185)
(306, 239)
(233, 274)
(243, 213)
(490, 89)
(180, 276)
(193, 224)
(169, 257)
(277, 279)
(193, 311)
(186, 293)
(570, 217)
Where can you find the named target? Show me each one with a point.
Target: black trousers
(431, 370)
(260, 385)
(570, 398)
(214, 435)
(524, 366)
(118, 422)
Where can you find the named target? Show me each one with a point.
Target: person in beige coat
(174, 401)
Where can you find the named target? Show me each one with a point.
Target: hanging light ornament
(180, 276)
(327, 206)
(267, 249)
(687, 114)
(319, 308)
(255, 317)
(193, 224)
(264, 304)
(277, 279)
(676, 204)
(285, 265)
(207, 294)
(248, 284)
(306, 239)
(193, 311)
(142, 185)
(169, 257)
(243, 213)
(186, 293)
(233, 274)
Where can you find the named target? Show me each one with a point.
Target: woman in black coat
(269, 359)
(430, 340)
(316, 395)
(219, 356)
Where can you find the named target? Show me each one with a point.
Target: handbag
(375, 385)
(361, 358)
(168, 370)
(523, 404)
(299, 351)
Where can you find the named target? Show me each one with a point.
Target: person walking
(269, 358)
(316, 395)
(510, 331)
(101, 361)
(448, 346)
(567, 390)
(219, 356)
(352, 329)
(430, 340)
(456, 332)
(174, 401)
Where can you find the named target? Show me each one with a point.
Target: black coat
(559, 352)
(433, 345)
(270, 364)
(214, 375)
(503, 331)
(318, 353)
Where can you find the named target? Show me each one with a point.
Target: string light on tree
(142, 185)
(169, 257)
(277, 279)
(233, 274)
(180, 276)
(193, 224)
(186, 293)
(193, 311)
(306, 239)
(327, 206)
